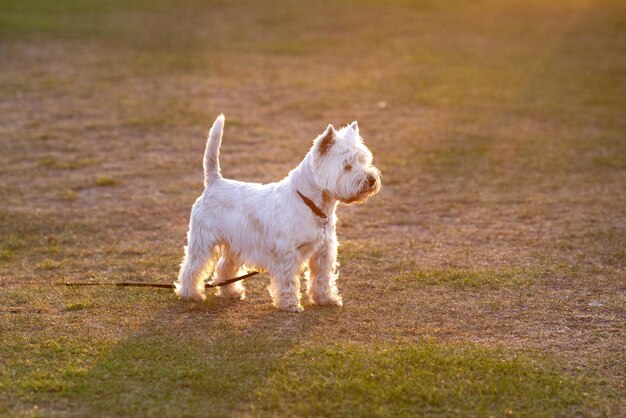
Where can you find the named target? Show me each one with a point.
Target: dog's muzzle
(371, 186)
(373, 183)
(371, 180)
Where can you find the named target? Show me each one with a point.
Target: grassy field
(487, 278)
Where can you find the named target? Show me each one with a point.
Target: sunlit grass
(501, 141)
(422, 379)
(217, 369)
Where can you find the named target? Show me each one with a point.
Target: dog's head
(342, 165)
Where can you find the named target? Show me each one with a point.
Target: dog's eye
(347, 167)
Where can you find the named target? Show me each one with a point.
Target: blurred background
(498, 126)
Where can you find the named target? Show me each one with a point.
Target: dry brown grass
(502, 148)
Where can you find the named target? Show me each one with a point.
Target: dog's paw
(291, 308)
(229, 292)
(189, 293)
(327, 299)
(294, 308)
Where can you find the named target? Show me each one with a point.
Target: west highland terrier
(278, 227)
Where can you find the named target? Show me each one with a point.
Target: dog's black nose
(371, 180)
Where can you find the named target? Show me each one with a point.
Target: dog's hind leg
(227, 268)
(200, 256)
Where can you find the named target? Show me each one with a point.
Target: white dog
(277, 227)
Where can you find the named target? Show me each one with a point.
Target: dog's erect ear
(355, 126)
(327, 140)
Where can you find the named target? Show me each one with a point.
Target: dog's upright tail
(212, 152)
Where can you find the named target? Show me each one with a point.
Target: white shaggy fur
(269, 227)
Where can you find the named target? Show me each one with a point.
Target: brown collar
(317, 211)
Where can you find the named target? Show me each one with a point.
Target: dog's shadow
(214, 353)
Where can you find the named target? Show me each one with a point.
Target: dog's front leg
(285, 285)
(322, 274)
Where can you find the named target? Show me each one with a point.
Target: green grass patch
(48, 264)
(106, 181)
(68, 195)
(150, 373)
(10, 245)
(468, 277)
(458, 154)
(77, 306)
(416, 380)
(81, 18)
(6, 254)
(40, 238)
(171, 374)
(361, 251)
(611, 161)
(48, 367)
